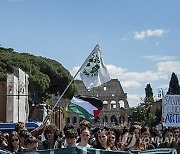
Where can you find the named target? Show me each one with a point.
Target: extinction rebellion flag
(93, 72)
(86, 107)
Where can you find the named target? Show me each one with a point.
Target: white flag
(93, 72)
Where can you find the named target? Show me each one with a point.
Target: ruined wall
(116, 109)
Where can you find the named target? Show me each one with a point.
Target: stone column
(109, 120)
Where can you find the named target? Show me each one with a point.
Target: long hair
(112, 146)
(10, 146)
(97, 143)
(51, 128)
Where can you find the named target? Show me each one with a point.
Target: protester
(112, 140)
(71, 136)
(14, 144)
(32, 144)
(168, 139)
(83, 124)
(23, 134)
(85, 135)
(177, 135)
(51, 136)
(3, 141)
(67, 127)
(20, 126)
(146, 138)
(131, 140)
(155, 136)
(102, 140)
(63, 139)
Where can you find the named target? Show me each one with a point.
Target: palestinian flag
(86, 107)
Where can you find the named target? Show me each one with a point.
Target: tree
(149, 94)
(142, 112)
(174, 88)
(46, 76)
(158, 115)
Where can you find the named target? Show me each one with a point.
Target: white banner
(171, 110)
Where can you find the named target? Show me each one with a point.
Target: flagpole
(57, 102)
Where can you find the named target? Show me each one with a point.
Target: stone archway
(113, 104)
(114, 101)
(121, 104)
(68, 120)
(74, 120)
(114, 120)
(121, 119)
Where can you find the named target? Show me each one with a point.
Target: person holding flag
(93, 73)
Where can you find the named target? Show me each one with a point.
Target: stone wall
(116, 109)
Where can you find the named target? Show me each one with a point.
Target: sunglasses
(15, 140)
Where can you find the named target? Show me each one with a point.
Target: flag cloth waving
(86, 107)
(93, 72)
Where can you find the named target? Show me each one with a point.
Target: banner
(171, 110)
(82, 150)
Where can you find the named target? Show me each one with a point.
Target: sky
(140, 40)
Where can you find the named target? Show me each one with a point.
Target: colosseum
(115, 110)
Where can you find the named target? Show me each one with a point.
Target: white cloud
(131, 84)
(160, 58)
(115, 71)
(168, 67)
(124, 75)
(148, 33)
(163, 86)
(134, 100)
(155, 33)
(134, 80)
(139, 35)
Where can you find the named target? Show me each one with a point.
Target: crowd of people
(135, 137)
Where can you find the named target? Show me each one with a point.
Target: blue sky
(139, 39)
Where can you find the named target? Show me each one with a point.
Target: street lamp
(161, 92)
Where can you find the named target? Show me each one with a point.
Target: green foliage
(63, 111)
(174, 88)
(149, 94)
(143, 113)
(45, 75)
(158, 115)
(49, 102)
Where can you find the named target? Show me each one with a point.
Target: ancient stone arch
(114, 99)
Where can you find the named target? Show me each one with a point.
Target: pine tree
(174, 88)
(149, 94)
